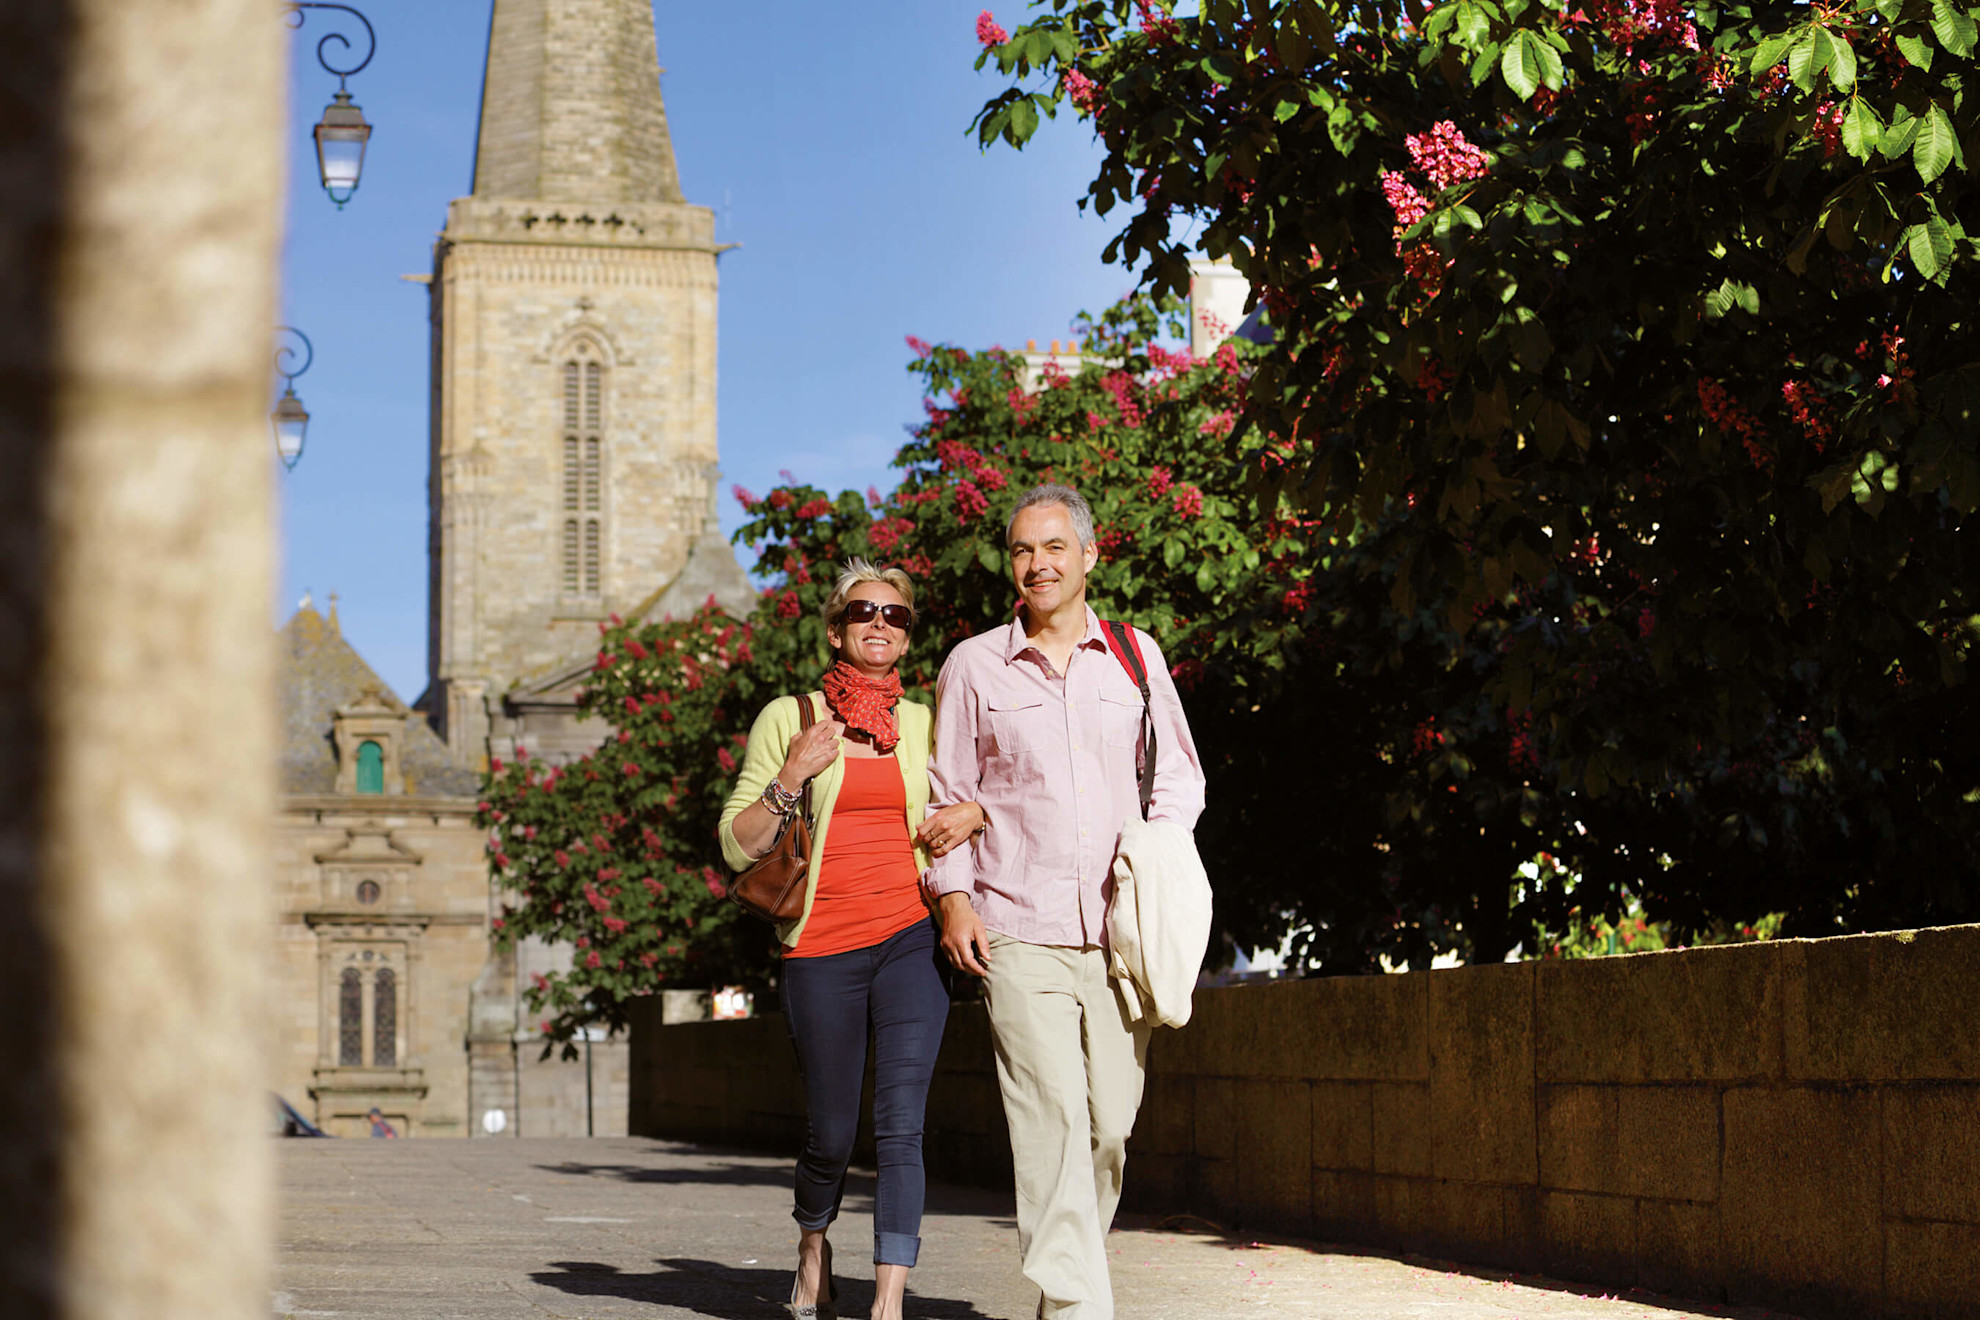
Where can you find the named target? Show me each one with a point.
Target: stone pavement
(574, 1229)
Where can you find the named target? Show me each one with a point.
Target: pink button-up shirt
(1052, 760)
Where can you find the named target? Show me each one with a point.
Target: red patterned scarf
(866, 704)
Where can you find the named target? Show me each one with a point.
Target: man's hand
(963, 937)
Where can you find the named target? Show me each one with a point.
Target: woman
(864, 951)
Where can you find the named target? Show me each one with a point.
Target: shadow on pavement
(1186, 1225)
(728, 1173)
(725, 1292)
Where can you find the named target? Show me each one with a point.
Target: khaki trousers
(1070, 1067)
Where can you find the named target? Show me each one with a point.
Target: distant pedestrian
(861, 958)
(1042, 726)
(380, 1126)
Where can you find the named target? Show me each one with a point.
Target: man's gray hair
(1067, 498)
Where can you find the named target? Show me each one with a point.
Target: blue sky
(829, 139)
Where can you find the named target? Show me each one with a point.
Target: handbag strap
(1121, 641)
(805, 720)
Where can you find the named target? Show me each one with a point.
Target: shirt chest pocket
(1120, 719)
(1018, 727)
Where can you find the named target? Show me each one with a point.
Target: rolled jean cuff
(824, 1221)
(896, 1249)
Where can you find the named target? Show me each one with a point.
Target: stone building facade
(573, 477)
(389, 992)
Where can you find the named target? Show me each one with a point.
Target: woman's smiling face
(875, 646)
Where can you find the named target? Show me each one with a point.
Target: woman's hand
(949, 827)
(811, 751)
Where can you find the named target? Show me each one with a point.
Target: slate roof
(319, 672)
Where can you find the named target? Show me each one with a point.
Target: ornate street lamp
(342, 133)
(290, 419)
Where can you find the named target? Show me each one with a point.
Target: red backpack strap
(1127, 649)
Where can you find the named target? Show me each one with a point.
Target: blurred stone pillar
(141, 170)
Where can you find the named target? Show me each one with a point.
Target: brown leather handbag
(773, 887)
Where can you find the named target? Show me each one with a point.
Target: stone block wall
(1793, 1124)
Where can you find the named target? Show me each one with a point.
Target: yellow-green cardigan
(770, 741)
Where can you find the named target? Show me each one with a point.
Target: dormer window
(370, 767)
(370, 736)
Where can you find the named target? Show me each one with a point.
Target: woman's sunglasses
(862, 611)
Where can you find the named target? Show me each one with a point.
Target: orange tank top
(868, 884)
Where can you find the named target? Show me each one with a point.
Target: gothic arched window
(385, 1019)
(370, 767)
(584, 472)
(350, 1019)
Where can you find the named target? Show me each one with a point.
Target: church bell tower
(573, 441)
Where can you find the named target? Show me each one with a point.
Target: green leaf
(1931, 248)
(1862, 130)
(1521, 64)
(1842, 63)
(1024, 122)
(1770, 52)
(1915, 51)
(1472, 26)
(1953, 26)
(1206, 577)
(1897, 138)
(1936, 145)
(1809, 57)
(1172, 552)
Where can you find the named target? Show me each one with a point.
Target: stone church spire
(570, 105)
(573, 446)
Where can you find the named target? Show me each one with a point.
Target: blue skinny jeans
(896, 991)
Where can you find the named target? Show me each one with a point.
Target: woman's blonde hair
(859, 571)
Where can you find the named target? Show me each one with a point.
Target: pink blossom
(1805, 406)
(1407, 203)
(631, 770)
(918, 346)
(971, 503)
(1445, 155)
(744, 497)
(1219, 423)
(1189, 501)
(592, 959)
(1159, 481)
(1081, 90)
(988, 32)
(715, 887)
(788, 607)
(816, 507)
(726, 759)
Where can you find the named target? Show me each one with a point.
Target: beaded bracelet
(781, 801)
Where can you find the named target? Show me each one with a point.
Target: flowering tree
(1627, 348)
(613, 854)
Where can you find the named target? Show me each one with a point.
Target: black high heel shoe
(825, 1307)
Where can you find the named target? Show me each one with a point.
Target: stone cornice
(619, 225)
(372, 806)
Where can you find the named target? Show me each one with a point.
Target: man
(1041, 724)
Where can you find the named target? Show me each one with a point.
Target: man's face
(1048, 564)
